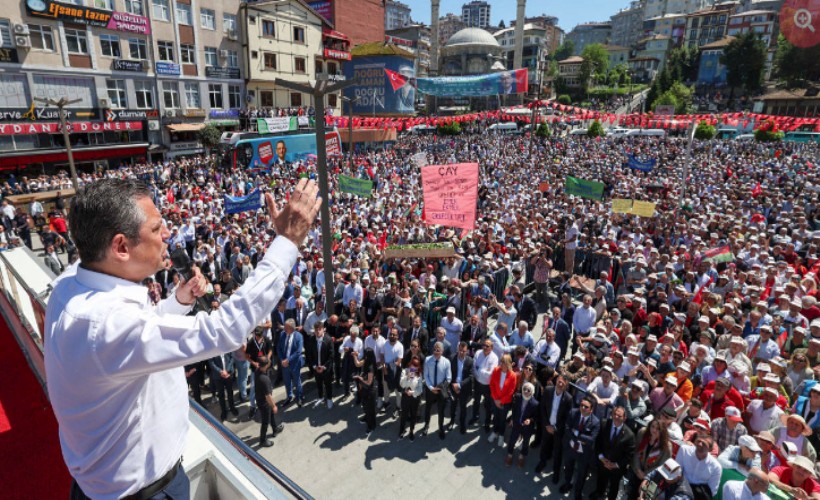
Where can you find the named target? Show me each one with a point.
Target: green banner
(277, 124)
(585, 189)
(359, 187)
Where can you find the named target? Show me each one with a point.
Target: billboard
(263, 152)
(323, 8)
(386, 85)
(503, 82)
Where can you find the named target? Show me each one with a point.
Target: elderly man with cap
(762, 347)
(753, 488)
(719, 395)
(665, 396)
(452, 326)
(728, 429)
(667, 482)
(798, 478)
(796, 431)
(742, 456)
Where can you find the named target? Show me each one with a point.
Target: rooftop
(472, 36)
(718, 44)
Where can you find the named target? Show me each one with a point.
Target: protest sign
(621, 205)
(585, 189)
(359, 187)
(237, 204)
(643, 208)
(450, 194)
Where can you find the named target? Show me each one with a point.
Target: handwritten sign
(643, 208)
(621, 206)
(450, 194)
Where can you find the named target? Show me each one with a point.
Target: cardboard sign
(450, 194)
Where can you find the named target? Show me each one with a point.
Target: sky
(569, 13)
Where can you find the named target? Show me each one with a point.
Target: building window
(228, 23)
(165, 51)
(268, 29)
(215, 95)
(170, 95)
(162, 11)
(299, 65)
(145, 94)
(233, 59)
(210, 57)
(318, 67)
(42, 37)
(269, 61)
(187, 54)
(254, 54)
(116, 93)
(234, 96)
(134, 7)
(110, 45)
(192, 95)
(184, 14)
(207, 18)
(103, 4)
(295, 99)
(298, 34)
(266, 99)
(77, 41)
(331, 68)
(332, 100)
(138, 49)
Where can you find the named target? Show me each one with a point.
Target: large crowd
(614, 344)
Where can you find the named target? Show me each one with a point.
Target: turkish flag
(397, 80)
(757, 190)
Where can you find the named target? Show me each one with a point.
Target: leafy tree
(209, 136)
(704, 131)
(678, 95)
(618, 75)
(501, 25)
(596, 62)
(552, 69)
(452, 128)
(683, 64)
(542, 131)
(794, 65)
(596, 130)
(564, 99)
(566, 50)
(745, 59)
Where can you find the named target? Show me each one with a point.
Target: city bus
(802, 136)
(262, 152)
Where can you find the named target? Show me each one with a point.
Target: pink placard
(131, 23)
(450, 194)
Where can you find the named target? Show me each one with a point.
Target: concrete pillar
(434, 6)
(518, 55)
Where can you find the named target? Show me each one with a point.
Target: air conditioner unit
(232, 35)
(171, 113)
(21, 29)
(105, 103)
(223, 54)
(22, 41)
(153, 124)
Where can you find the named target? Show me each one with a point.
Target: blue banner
(167, 68)
(376, 93)
(237, 204)
(643, 166)
(503, 82)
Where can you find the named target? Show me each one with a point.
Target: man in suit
(53, 261)
(615, 446)
(563, 334)
(222, 378)
(165, 277)
(461, 386)
(524, 421)
(526, 308)
(290, 354)
(554, 409)
(437, 377)
(419, 332)
(319, 355)
(580, 434)
(474, 333)
(277, 319)
(298, 314)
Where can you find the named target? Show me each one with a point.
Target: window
(5, 33)
(332, 100)
(268, 29)
(42, 37)
(295, 99)
(228, 23)
(269, 61)
(134, 7)
(145, 94)
(187, 54)
(266, 99)
(298, 34)
(77, 41)
(116, 93)
(170, 95)
(234, 96)
(161, 10)
(138, 48)
(318, 67)
(110, 45)
(210, 57)
(192, 95)
(103, 4)
(207, 18)
(254, 54)
(184, 14)
(166, 51)
(299, 64)
(233, 59)
(215, 95)
(331, 68)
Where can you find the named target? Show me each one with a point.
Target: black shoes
(565, 489)
(278, 430)
(251, 413)
(539, 467)
(286, 402)
(266, 443)
(441, 434)
(424, 431)
(234, 412)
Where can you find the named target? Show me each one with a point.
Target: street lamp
(318, 89)
(350, 102)
(61, 104)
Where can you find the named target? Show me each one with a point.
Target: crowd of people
(659, 354)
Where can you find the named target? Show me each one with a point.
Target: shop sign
(168, 68)
(76, 127)
(126, 65)
(33, 113)
(194, 113)
(220, 72)
(130, 23)
(181, 146)
(342, 55)
(224, 113)
(115, 115)
(68, 12)
(9, 56)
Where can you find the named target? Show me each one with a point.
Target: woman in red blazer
(503, 382)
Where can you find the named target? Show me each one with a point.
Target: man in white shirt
(485, 362)
(584, 318)
(376, 342)
(499, 339)
(129, 400)
(393, 355)
(452, 327)
(763, 413)
(315, 316)
(350, 350)
(700, 467)
(753, 488)
(547, 352)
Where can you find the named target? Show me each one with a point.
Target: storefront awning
(21, 159)
(334, 34)
(186, 127)
(225, 123)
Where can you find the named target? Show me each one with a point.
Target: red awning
(10, 161)
(335, 34)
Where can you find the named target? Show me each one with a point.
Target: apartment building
(396, 15)
(476, 14)
(708, 25)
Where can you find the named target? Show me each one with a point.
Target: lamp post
(539, 76)
(61, 104)
(318, 89)
(350, 102)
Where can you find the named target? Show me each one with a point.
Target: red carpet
(32, 466)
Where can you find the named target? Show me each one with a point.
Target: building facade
(476, 14)
(658, 8)
(710, 70)
(448, 26)
(414, 38)
(553, 35)
(671, 25)
(708, 25)
(627, 25)
(396, 15)
(589, 33)
(535, 50)
(569, 71)
(361, 20)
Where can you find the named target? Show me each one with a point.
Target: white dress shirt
(483, 367)
(706, 471)
(392, 352)
(115, 368)
(737, 490)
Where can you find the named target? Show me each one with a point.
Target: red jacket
(717, 409)
(505, 393)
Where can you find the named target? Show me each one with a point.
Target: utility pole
(61, 104)
(318, 89)
(350, 102)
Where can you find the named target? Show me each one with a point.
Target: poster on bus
(264, 152)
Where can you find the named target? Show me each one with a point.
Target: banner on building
(385, 85)
(237, 204)
(450, 194)
(585, 189)
(359, 187)
(276, 125)
(74, 127)
(503, 82)
(263, 152)
(333, 143)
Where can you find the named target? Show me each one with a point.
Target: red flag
(170, 196)
(757, 190)
(370, 172)
(397, 80)
(698, 298)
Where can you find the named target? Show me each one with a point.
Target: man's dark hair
(103, 210)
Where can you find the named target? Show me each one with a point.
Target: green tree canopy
(209, 136)
(795, 65)
(745, 59)
(678, 95)
(683, 64)
(566, 49)
(596, 63)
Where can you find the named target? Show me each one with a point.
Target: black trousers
(324, 384)
(369, 399)
(337, 362)
(483, 391)
(608, 482)
(460, 400)
(268, 417)
(525, 433)
(409, 411)
(552, 448)
(576, 467)
(348, 370)
(431, 398)
(223, 387)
